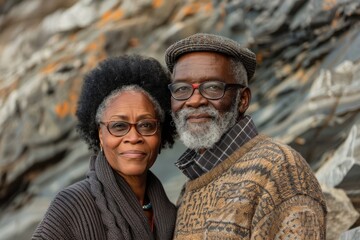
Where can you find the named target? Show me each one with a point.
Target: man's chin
(196, 142)
(198, 127)
(199, 138)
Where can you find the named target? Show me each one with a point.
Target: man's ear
(245, 98)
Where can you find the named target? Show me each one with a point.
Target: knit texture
(104, 207)
(264, 190)
(204, 42)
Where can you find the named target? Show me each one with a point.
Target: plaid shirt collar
(193, 164)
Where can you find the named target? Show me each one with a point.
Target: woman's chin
(134, 172)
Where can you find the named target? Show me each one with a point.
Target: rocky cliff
(306, 90)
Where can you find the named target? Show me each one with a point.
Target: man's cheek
(176, 105)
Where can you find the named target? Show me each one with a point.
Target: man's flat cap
(203, 42)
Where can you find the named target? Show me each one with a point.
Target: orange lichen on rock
(94, 59)
(157, 3)
(304, 75)
(67, 107)
(111, 16)
(73, 37)
(73, 100)
(134, 42)
(299, 74)
(191, 9)
(208, 7)
(336, 20)
(92, 47)
(62, 109)
(96, 45)
(259, 58)
(9, 88)
(50, 68)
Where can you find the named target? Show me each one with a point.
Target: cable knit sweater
(103, 206)
(264, 190)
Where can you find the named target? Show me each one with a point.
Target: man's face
(201, 122)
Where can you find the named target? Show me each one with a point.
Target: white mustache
(185, 113)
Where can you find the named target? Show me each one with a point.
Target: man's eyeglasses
(212, 90)
(145, 127)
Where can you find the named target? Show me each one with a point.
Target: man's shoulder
(286, 169)
(278, 158)
(275, 151)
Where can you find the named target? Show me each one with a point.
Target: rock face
(306, 90)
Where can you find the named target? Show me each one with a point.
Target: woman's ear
(100, 137)
(245, 98)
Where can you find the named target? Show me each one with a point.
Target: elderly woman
(124, 117)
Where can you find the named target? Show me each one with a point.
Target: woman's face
(133, 154)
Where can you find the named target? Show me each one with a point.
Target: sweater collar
(194, 165)
(120, 210)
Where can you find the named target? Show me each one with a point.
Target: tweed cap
(204, 42)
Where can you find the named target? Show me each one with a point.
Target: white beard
(204, 135)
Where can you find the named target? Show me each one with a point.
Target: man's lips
(198, 118)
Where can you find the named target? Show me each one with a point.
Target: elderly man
(242, 184)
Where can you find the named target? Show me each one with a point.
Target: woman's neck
(138, 186)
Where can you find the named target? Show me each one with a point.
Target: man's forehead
(202, 66)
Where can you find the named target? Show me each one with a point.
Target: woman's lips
(133, 154)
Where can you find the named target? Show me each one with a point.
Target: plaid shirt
(193, 164)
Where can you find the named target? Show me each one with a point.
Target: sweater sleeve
(298, 210)
(72, 215)
(56, 222)
(300, 217)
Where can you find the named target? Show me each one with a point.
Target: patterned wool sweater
(264, 190)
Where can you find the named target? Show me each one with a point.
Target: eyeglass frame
(198, 86)
(106, 124)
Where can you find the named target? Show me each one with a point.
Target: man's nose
(196, 100)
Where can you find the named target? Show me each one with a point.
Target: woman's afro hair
(115, 73)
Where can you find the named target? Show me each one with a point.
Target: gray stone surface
(341, 213)
(351, 234)
(306, 90)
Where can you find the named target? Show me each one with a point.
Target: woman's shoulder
(73, 211)
(73, 202)
(79, 187)
(74, 195)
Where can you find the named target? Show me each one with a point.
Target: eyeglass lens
(144, 127)
(211, 90)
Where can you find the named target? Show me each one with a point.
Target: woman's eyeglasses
(145, 127)
(212, 90)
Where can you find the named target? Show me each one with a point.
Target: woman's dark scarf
(121, 212)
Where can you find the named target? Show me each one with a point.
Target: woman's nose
(133, 136)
